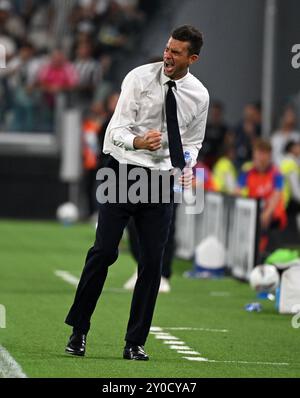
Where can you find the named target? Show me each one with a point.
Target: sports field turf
(37, 301)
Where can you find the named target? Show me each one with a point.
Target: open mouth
(169, 67)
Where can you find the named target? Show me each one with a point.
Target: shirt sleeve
(124, 117)
(278, 182)
(242, 180)
(196, 130)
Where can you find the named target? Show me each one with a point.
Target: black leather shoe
(135, 352)
(76, 344)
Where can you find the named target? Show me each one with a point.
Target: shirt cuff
(128, 142)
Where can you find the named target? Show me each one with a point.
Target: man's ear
(194, 58)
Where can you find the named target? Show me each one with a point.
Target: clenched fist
(151, 141)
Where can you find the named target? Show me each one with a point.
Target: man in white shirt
(161, 113)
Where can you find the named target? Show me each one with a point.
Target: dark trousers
(169, 248)
(152, 221)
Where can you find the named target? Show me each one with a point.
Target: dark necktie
(175, 145)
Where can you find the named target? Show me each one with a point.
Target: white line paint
(155, 329)
(198, 329)
(237, 362)
(9, 368)
(169, 337)
(199, 359)
(181, 348)
(177, 342)
(73, 280)
(160, 333)
(67, 277)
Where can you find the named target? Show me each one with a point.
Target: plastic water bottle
(188, 161)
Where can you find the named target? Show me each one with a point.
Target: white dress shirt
(141, 107)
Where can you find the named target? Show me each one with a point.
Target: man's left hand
(186, 177)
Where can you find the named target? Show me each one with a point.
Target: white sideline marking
(160, 333)
(199, 359)
(241, 362)
(181, 348)
(155, 329)
(199, 329)
(73, 280)
(176, 347)
(67, 277)
(177, 342)
(9, 368)
(169, 337)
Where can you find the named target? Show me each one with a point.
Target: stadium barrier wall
(232, 220)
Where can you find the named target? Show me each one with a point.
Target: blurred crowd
(69, 47)
(238, 161)
(73, 48)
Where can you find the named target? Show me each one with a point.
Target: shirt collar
(164, 79)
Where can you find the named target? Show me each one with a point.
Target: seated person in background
(264, 181)
(215, 134)
(224, 171)
(246, 132)
(205, 178)
(290, 169)
(286, 132)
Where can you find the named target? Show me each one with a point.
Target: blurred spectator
(286, 132)
(204, 178)
(215, 134)
(246, 132)
(40, 26)
(118, 29)
(11, 24)
(58, 74)
(7, 39)
(89, 73)
(94, 128)
(55, 77)
(94, 34)
(290, 168)
(21, 73)
(110, 106)
(91, 128)
(224, 171)
(264, 181)
(107, 86)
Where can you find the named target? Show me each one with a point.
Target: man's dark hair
(190, 34)
(289, 146)
(217, 104)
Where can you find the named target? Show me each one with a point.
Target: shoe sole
(76, 354)
(135, 359)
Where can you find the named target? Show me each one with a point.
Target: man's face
(289, 119)
(57, 58)
(177, 58)
(262, 159)
(250, 113)
(296, 150)
(216, 114)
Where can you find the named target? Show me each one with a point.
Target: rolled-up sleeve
(124, 118)
(196, 130)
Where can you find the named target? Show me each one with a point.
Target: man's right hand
(150, 141)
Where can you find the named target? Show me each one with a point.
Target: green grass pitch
(36, 302)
